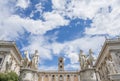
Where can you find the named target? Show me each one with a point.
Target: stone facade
(10, 57)
(108, 61)
(105, 68)
(60, 74)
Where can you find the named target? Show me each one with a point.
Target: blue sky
(59, 28)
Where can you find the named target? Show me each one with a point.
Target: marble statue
(30, 63)
(27, 55)
(82, 59)
(90, 58)
(9, 64)
(110, 67)
(26, 61)
(22, 63)
(35, 59)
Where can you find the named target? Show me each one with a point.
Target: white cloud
(56, 47)
(15, 24)
(58, 4)
(106, 22)
(39, 43)
(72, 67)
(68, 67)
(23, 3)
(80, 8)
(73, 57)
(84, 43)
(45, 68)
(54, 20)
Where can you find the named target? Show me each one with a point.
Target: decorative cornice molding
(107, 42)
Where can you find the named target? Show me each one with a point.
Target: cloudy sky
(59, 27)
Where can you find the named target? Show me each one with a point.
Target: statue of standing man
(35, 59)
(90, 58)
(82, 60)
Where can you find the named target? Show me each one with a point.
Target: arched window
(74, 75)
(53, 77)
(61, 77)
(68, 76)
(60, 61)
(60, 66)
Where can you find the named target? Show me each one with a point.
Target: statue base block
(88, 75)
(27, 74)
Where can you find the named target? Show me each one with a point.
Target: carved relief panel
(116, 59)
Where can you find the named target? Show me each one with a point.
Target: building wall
(108, 62)
(10, 60)
(56, 77)
(9, 63)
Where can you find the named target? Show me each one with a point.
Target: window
(53, 76)
(68, 76)
(61, 78)
(74, 75)
(46, 76)
(60, 66)
(60, 60)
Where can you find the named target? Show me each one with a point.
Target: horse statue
(25, 63)
(30, 63)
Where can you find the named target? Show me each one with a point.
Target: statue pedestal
(88, 75)
(27, 74)
(115, 77)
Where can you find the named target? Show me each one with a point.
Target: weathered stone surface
(88, 75)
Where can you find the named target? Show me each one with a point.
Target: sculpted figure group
(30, 63)
(86, 61)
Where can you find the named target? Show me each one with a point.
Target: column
(56, 77)
(71, 78)
(42, 77)
(78, 77)
(64, 77)
(50, 77)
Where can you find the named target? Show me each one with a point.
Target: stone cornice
(106, 43)
(87, 69)
(28, 69)
(100, 54)
(58, 72)
(12, 44)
